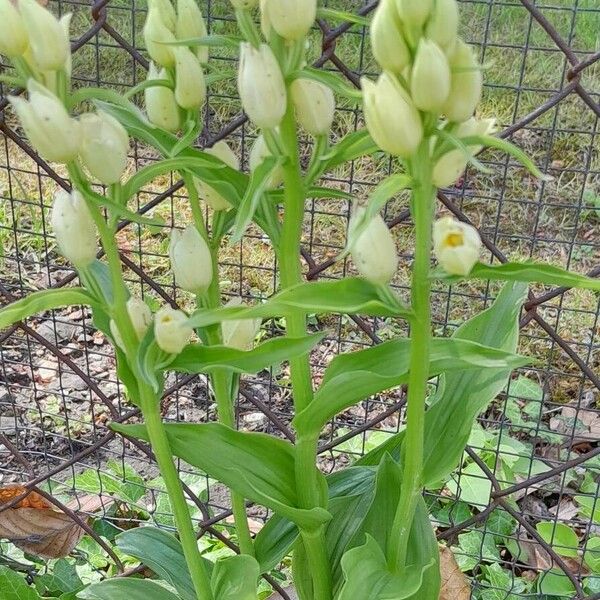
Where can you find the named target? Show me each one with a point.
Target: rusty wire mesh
(50, 432)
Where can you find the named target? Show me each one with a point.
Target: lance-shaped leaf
(527, 272)
(348, 296)
(258, 466)
(132, 589)
(352, 146)
(39, 302)
(235, 578)
(462, 395)
(368, 577)
(162, 552)
(198, 358)
(329, 79)
(355, 376)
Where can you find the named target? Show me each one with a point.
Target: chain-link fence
(532, 465)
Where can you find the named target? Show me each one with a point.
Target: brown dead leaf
(35, 526)
(455, 585)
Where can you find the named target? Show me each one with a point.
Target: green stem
(162, 451)
(220, 379)
(422, 203)
(307, 481)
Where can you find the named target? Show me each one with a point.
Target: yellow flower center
(454, 240)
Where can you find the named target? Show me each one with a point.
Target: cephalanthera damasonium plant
(362, 533)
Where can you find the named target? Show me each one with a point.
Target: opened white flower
(239, 333)
(171, 331)
(456, 245)
(141, 318)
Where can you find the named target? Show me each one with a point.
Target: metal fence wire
(534, 456)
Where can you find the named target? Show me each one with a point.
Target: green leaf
(490, 141)
(274, 541)
(212, 41)
(555, 583)
(161, 552)
(461, 396)
(198, 358)
(348, 296)
(464, 149)
(534, 272)
(342, 15)
(592, 554)
(367, 576)
(14, 587)
(471, 486)
(40, 302)
(352, 146)
(357, 375)
(131, 589)
(259, 466)
(329, 79)
(562, 538)
(259, 182)
(235, 578)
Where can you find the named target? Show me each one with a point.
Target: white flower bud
(222, 151)
(374, 252)
(414, 13)
(191, 260)
(190, 25)
(442, 27)
(259, 152)
(141, 318)
(47, 39)
(456, 245)
(452, 164)
(104, 146)
(261, 86)
(430, 77)
(156, 33)
(167, 12)
(315, 105)
(161, 107)
(13, 35)
(244, 4)
(190, 87)
(240, 333)
(391, 117)
(50, 129)
(74, 228)
(387, 40)
(171, 330)
(291, 19)
(466, 84)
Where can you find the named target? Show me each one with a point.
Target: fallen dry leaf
(35, 526)
(455, 586)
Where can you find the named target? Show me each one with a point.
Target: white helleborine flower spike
(387, 40)
(452, 164)
(239, 333)
(291, 19)
(466, 84)
(156, 33)
(167, 12)
(48, 41)
(430, 77)
(374, 252)
(222, 151)
(13, 35)
(141, 318)
(161, 107)
(74, 228)
(456, 245)
(171, 331)
(190, 25)
(190, 86)
(442, 27)
(104, 146)
(261, 86)
(392, 119)
(414, 13)
(191, 260)
(314, 103)
(259, 152)
(50, 129)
